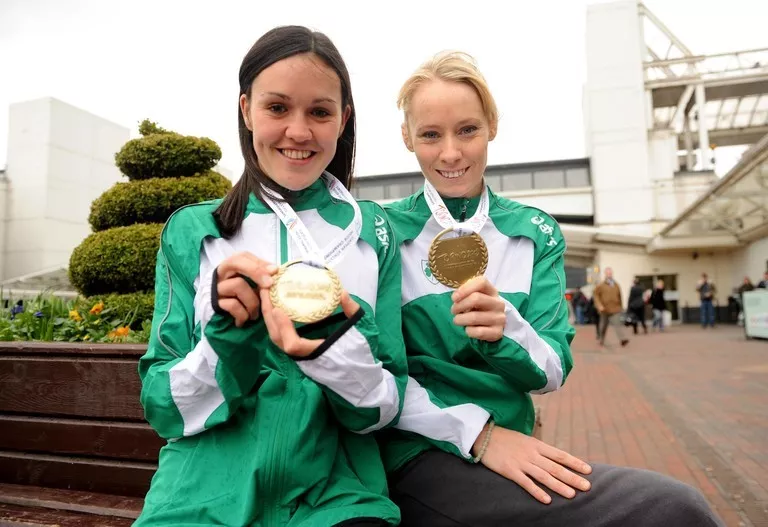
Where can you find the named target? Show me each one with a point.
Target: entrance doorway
(671, 294)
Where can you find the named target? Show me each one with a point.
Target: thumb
(349, 306)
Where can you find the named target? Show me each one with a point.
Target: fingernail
(266, 281)
(586, 485)
(271, 268)
(571, 493)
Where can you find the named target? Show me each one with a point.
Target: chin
(455, 188)
(298, 181)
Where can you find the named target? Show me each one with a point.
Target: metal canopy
(707, 100)
(732, 213)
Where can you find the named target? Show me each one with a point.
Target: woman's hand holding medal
(282, 331)
(236, 295)
(478, 307)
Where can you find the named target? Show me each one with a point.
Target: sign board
(756, 313)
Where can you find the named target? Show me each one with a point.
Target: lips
(452, 174)
(296, 155)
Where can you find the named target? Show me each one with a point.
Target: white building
(60, 159)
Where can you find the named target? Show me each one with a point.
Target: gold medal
(455, 260)
(305, 293)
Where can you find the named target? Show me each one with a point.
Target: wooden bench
(74, 446)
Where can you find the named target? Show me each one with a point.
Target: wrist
(481, 443)
(478, 444)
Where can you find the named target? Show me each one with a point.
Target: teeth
(296, 154)
(452, 175)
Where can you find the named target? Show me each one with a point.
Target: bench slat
(78, 437)
(123, 478)
(105, 388)
(72, 349)
(70, 500)
(16, 516)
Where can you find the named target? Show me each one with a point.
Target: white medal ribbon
(310, 251)
(443, 216)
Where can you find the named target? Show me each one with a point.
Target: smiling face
(449, 132)
(296, 117)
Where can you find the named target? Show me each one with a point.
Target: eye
(430, 135)
(277, 108)
(321, 112)
(467, 130)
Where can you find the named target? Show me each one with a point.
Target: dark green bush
(167, 155)
(132, 308)
(153, 200)
(119, 260)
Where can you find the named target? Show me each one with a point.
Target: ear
(406, 136)
(493, 128)
(344, 119)
(244, 109)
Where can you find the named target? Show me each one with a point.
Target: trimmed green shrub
(167, 155)
(147, 127)
(132, 308)
(119, 260)
(153, 200)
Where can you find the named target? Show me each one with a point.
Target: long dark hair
(275, 45)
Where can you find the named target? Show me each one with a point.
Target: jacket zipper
(463, 216)
(276, 481)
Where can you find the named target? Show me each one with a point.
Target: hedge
(132, 308)
(119, 260)
(153, 200)
(167, 155)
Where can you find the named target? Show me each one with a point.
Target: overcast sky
(176, 62)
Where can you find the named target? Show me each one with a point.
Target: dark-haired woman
(268, 424)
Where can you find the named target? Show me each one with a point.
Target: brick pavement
(689, 403)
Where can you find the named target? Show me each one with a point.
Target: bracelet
(487, 440)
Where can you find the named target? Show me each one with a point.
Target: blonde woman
(462, 453)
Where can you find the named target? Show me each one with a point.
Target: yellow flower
(86, 337)
(74, 315)
(98, 308)
(119, 333)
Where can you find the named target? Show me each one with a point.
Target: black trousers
(639, 313)
(440, 490)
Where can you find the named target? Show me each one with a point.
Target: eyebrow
(287, 98)
(464, 122)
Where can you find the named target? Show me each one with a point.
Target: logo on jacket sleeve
(428, 272)
(545, 228)
(381, 231)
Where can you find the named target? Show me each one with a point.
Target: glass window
(372, 192)
(549, 179)
(577, 177)
(519, 181)
(494, 182)
(399, 190)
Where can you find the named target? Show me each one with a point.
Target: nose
(298, 129)
(450, 153)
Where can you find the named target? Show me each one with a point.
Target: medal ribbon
(443, 216)
(310, 251)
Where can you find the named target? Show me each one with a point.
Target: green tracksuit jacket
(456, 383)
(254, 436)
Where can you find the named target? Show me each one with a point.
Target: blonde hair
(454, 66)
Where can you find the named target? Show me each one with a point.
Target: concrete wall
(60, 158)
(616, 121)
(572, 202)
(751, 261)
